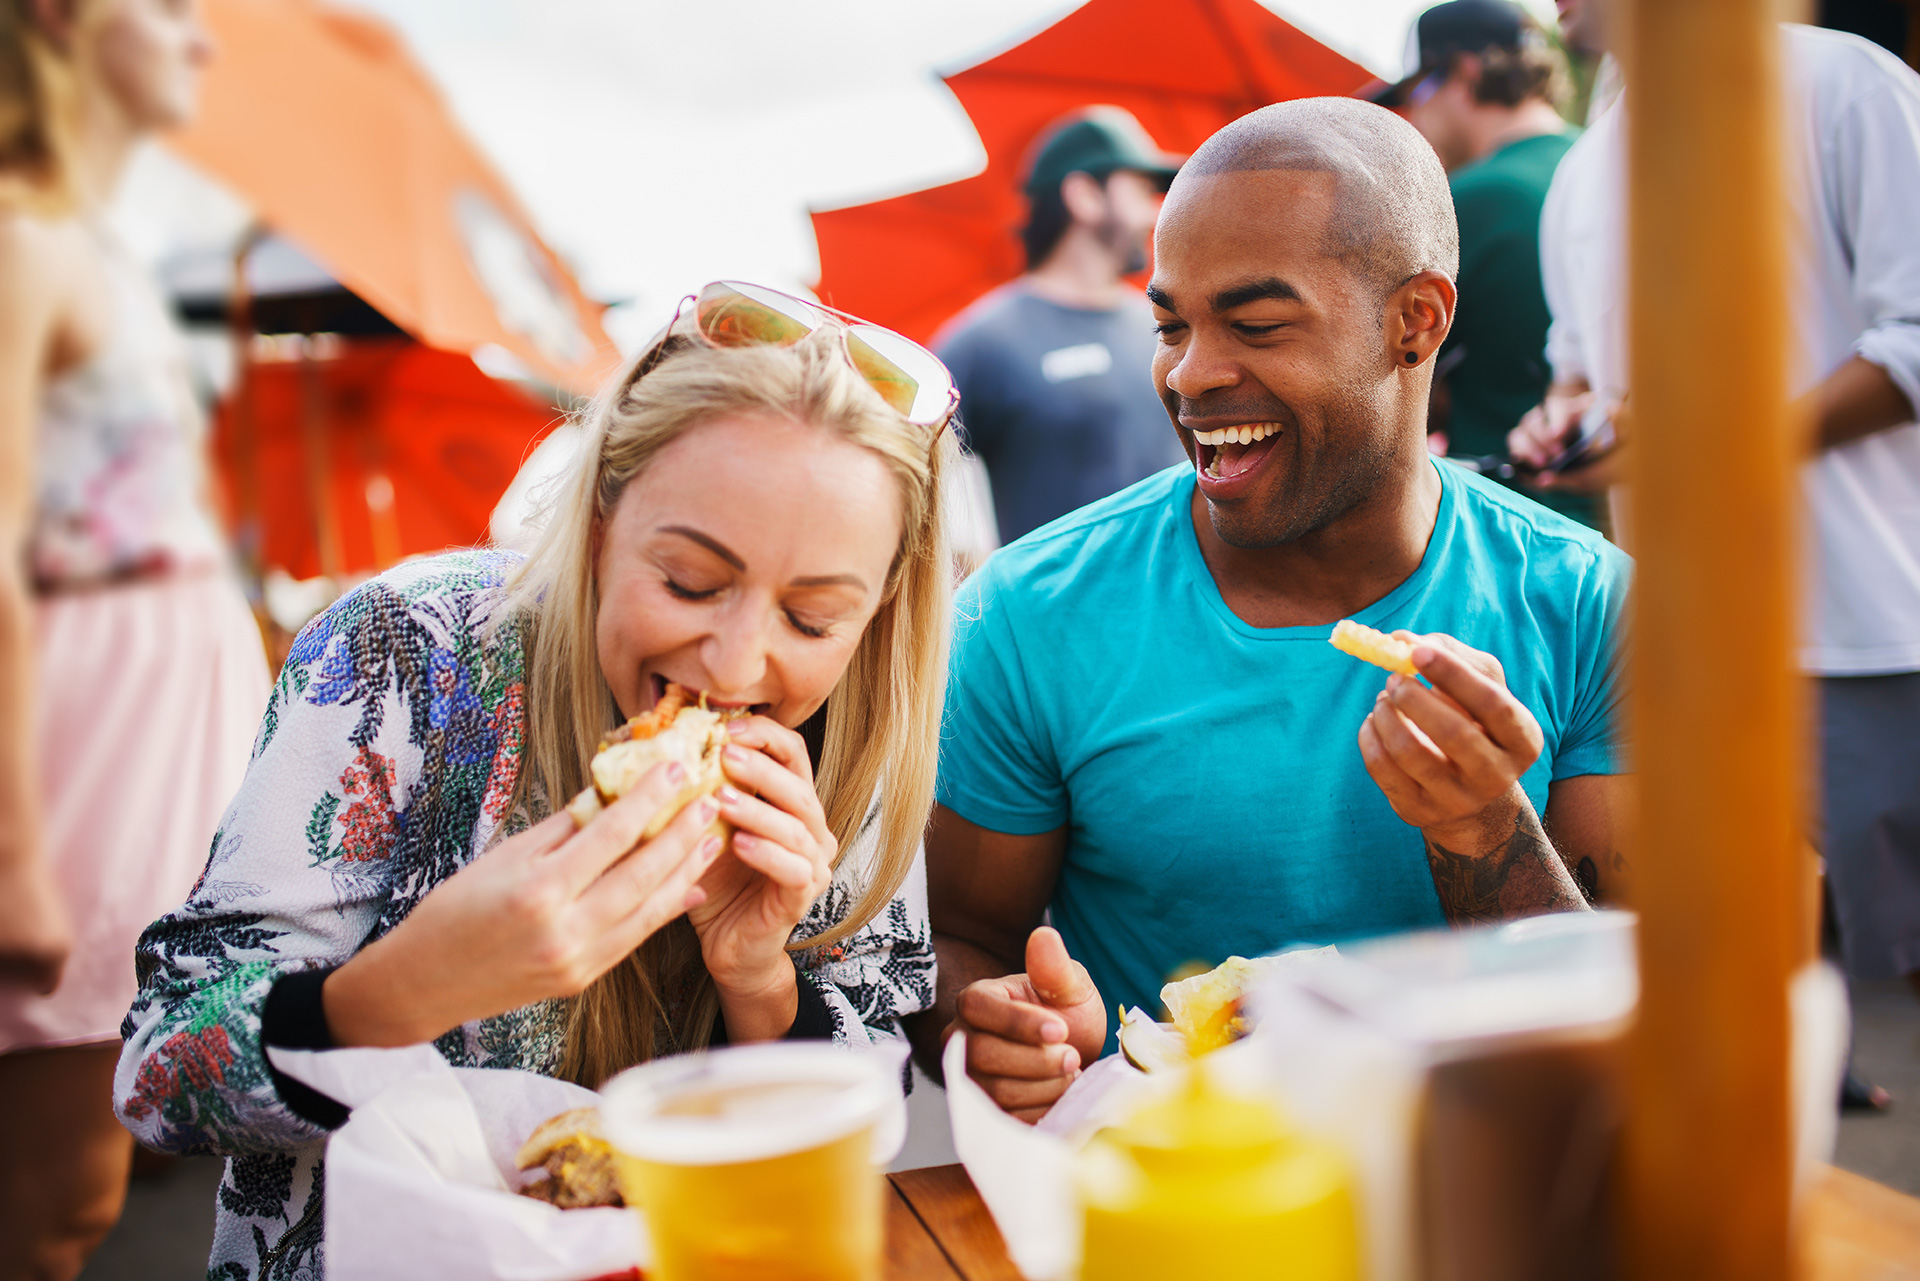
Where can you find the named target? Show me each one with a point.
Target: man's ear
(1467, 68)
(1085, 198)
(1418, 315)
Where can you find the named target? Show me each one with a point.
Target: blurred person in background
(1054, 398)
(1482, 92)
(1853, 120)
(131, 671)
(1583, 34)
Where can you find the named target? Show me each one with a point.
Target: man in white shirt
(1854, 121)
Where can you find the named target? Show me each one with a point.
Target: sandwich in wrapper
(578, 1160)
(680, 727)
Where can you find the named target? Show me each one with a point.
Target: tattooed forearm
(1522, 876)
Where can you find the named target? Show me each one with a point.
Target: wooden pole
(1707, 1158)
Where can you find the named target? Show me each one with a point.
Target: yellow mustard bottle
(1209, 1184)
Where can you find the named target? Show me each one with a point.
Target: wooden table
(939, 1230)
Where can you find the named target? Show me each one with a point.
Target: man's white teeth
(1237, 435)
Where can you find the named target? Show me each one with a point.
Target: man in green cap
(1480, 88)
(1052, 367)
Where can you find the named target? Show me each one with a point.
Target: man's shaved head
(1393, 214)
(1303, 280)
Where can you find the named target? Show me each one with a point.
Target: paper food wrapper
(1346, 1048)
(420, 1179)
(1024, 1173)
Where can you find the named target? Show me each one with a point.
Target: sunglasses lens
(731, 314)
(908, 377)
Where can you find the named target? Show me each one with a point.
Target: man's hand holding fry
(1450, 757)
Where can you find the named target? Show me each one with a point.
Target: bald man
(1147, 731)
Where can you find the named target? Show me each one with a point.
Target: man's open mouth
(1227, 452)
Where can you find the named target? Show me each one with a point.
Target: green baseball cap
(1096, 141)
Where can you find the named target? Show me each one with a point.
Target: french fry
(1372, 646)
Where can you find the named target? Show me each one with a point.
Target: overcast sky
(661, 144)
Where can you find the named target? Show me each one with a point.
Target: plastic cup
(758, 1161)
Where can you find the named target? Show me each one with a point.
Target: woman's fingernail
(736, 753)
(730, 794)
(695, 897)
(1422, 655)
(710, 848)
(707, 809)
(1070, 1061)
(676, 773)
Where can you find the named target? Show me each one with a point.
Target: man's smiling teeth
(1237, 435)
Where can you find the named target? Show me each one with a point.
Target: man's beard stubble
(1324, 487)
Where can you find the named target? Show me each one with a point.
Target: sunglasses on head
(728, 313)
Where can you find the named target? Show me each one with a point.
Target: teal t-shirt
(1208, 771)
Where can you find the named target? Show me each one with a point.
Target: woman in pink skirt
(131, 673)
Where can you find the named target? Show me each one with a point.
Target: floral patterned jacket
(385, 762)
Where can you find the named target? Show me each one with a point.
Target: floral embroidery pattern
(385, 762)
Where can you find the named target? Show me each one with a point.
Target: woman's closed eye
(816, 630)
(690, 594)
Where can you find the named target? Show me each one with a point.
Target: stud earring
(1413, 358)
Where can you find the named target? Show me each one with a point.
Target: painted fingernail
(710, 848)
(730, 794)
(736, 753)
(676, 773)
(706, 810)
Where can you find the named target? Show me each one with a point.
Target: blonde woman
(131, 673)
(757, 521)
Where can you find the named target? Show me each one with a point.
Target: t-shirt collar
(1385, 613)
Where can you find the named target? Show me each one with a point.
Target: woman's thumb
(1056, 978)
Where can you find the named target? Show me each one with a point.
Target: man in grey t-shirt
(1056, 397)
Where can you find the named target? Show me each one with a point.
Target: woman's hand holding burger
(540, 915)
(782, 861)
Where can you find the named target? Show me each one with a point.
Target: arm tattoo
(1524, 876)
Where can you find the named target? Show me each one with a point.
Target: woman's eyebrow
(830, 580)
(713, 545)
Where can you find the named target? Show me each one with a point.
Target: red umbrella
(320, 117)
(1183, 67)
(370, 450)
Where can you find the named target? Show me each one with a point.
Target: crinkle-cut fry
(1373, 646)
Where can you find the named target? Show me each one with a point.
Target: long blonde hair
(882, 721)
(40, 93)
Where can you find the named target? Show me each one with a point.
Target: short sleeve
(997, 768)
(959, 350)
(1594, 741)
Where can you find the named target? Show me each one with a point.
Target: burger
(576, 1162)
(679, 727)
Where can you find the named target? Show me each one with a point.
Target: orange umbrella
(324, 123)
(1183, 67)
(372, 449)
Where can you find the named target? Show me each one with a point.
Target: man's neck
(1494, 128)
(1335, 571)
(1080, 272)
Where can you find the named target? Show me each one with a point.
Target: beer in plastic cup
(758, 1161)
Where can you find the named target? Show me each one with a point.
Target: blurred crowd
(134, 678)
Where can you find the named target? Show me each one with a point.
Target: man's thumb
(1054, 976)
